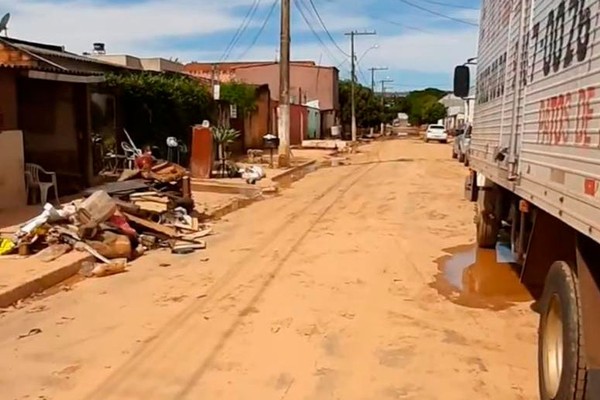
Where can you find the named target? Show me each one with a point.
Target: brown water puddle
(471, 277)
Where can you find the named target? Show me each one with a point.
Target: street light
(374, 47)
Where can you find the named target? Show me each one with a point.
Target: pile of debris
(117, 222)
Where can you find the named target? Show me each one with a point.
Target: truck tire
(561, 355)
(487, 220)
(461, 158)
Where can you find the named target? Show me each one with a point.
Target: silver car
(462, 142)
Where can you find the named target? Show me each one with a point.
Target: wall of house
(306, 83)
(329, 119)
(313, 130)
(12, 173)
(257, 125)
(298, 124)
(48, 118)
(8, 100)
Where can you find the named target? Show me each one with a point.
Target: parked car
(462, 142)
(436, 132)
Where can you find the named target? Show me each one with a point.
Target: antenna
(4, 24)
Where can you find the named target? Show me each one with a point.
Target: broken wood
(153, 226)
(81, 246)
(198, 235)
(149, 196)
(179, 247)
(53, 252)
(151, 206)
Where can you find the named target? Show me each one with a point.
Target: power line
(443, 4)
(314, 7)
(298, 6)
(241, 29)
(400, 24)
(261, 30)
(439, 14)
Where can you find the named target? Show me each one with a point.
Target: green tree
(368, 106)
(434, 113)
(240, 94)
(156, 106)
(419, 103)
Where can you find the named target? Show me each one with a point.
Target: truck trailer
(535, 172)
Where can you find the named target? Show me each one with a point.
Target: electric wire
(260, 31)
(241, 29)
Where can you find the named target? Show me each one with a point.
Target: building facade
(309, 83)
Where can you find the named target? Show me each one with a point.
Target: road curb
(42, 280)
(289, 176)
(296, 173)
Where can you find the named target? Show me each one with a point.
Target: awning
(55, 76)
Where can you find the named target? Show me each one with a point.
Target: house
(152, 64)
(455, 117)
(308, 83)
(45, 115)
(257, 123)
(401, 120)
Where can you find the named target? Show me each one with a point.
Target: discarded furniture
(33, 181)
(130, 154)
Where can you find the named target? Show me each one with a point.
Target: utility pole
(383, 82)
(353, 73)
(373, 76)
(284, 87)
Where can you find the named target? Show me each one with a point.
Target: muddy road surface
(358, 282)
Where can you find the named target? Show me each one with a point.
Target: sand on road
(331, 290)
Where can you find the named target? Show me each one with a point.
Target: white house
(460, 111)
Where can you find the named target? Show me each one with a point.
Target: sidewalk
(21, 277)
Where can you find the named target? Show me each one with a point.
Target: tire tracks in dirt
(165, 368)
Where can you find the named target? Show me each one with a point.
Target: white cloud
(78, 23)
(435, 52)
(144, 29)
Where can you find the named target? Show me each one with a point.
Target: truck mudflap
(471, 187)
(593, 385)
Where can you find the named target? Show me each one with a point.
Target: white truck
(535, 171)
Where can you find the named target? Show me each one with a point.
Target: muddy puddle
(471, 277)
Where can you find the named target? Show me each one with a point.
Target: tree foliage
(368, 106)
(240, 94)
(422, 106)
(156, 106)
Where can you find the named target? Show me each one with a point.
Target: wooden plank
(151, 206)
(153, 226)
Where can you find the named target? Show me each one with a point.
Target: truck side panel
(537, 120)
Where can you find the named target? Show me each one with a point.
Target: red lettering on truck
(554, 118)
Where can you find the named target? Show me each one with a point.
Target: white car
(436, 132)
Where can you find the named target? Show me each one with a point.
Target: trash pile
(117, 222)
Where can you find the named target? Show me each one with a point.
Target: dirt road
(330, 291)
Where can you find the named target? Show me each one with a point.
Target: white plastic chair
(130, 154)
(32, 180)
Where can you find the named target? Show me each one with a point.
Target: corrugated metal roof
(48, 69)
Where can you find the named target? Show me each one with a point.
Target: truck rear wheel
(561, 356)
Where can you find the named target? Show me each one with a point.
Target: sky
(420, 48)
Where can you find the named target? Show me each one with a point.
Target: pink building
(309, 83)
